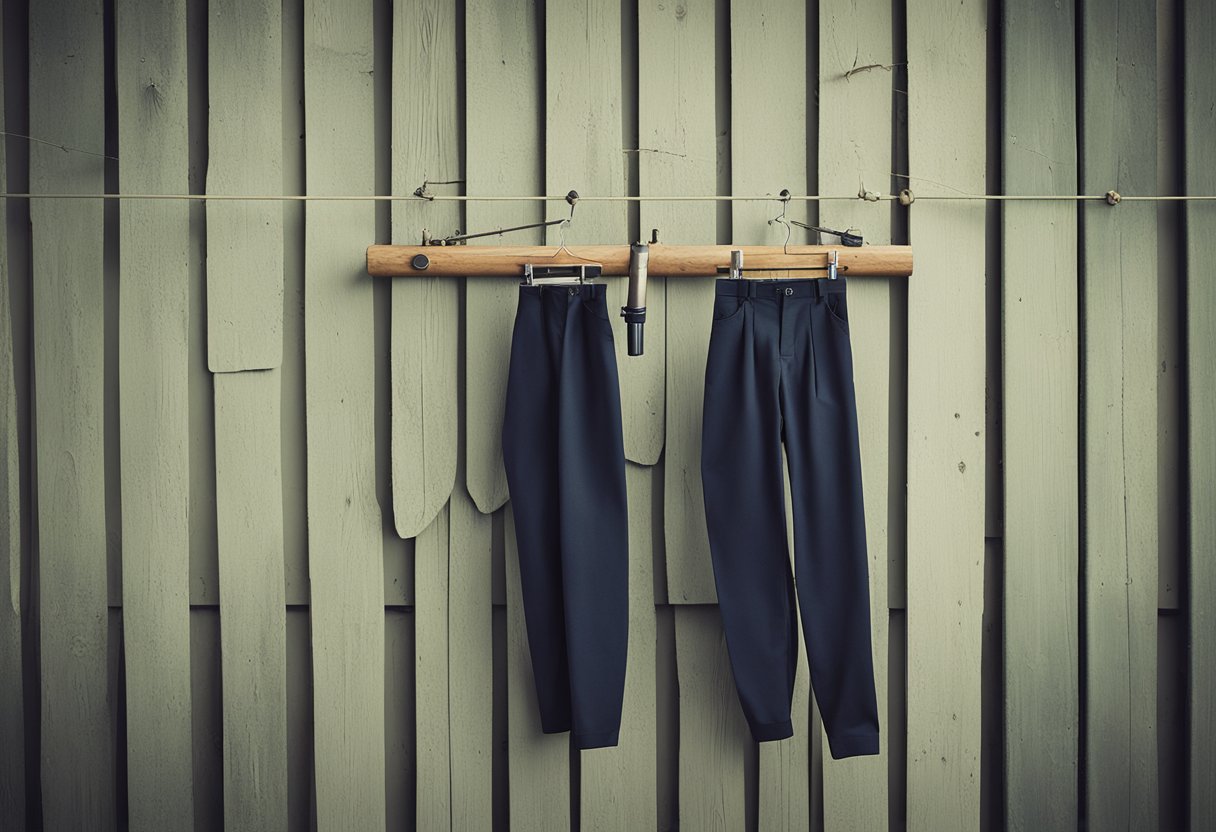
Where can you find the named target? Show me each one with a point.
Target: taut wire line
(868, 197)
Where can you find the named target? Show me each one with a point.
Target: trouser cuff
(773, 731)
(853, 745)
(601, 739)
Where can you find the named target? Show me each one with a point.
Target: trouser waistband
(798, 288)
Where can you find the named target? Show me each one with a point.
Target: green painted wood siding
(257, 562)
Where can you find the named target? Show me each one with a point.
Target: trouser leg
(530, 457)
(594, 519)
(745, 505)
(820, 415)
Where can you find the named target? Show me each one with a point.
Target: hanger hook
(785, 202)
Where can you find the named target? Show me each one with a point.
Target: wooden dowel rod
(665, 260)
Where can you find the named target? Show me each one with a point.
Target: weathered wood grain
(12, 697)
(67, 102)
(154, 419)
(426, 145)
(244, 156)
(432, 717)
(1040, 370)
(503, 149)
(768, 154)
(678, 156)
(583, 152)
(946, 415)
(470, 661)
(538, 764)
(619, 788)
(253, 620)
(1119, 257)
(713, 733)
(344, 543)
(767, 115)
(1200, 178)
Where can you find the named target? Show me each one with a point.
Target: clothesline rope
(870, 197)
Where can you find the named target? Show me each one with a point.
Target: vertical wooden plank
(204, 549)
(400, 771)
(12, 699)
(244, 156)
(207, 716)
(1040, 418)
(768, 114)
(66, 101)
(768, 154)
(293, 430)
(1118, 86)
(678, 156)
(432, 716)
(1171, 335)
(538, 765)
(301, 789)
(253, 620)
(344, 543)
(503, 146)
(583, 152)
(854, 156)
(713, 733)
(946, 415)
(470, 662)
(1173, 807)
(153, 347)
(630, 768)
(426, 144)
(1199, 127)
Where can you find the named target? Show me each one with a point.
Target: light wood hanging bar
(665, 260)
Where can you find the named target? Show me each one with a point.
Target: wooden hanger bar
(665, 260)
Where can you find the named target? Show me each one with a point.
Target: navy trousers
(565, 462)
(780, 370)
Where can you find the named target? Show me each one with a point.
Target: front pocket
(597, 306)
(837, 307)
(727, 306)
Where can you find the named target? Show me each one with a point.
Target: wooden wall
(257, 559)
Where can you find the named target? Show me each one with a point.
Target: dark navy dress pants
(565, 463)
(780, 369)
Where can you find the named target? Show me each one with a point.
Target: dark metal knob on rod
(634, 310)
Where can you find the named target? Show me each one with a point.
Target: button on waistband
(789, 290)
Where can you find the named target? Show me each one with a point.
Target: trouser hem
(773, 731)
(853, 745)
(601, 739)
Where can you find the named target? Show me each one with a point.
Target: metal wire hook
(785, 203)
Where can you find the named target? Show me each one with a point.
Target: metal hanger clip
(566, 275)
(735, 270)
